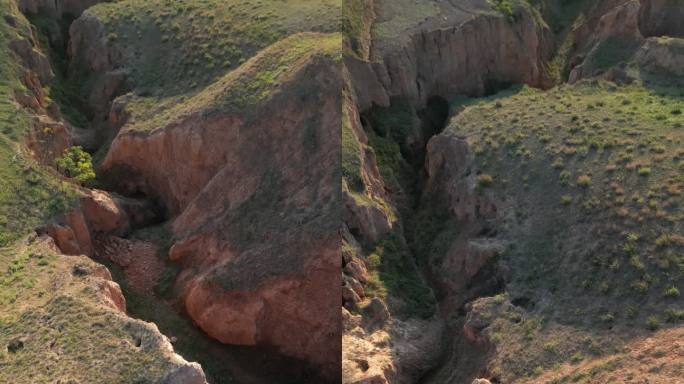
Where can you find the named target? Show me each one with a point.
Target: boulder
(190, 373)
(104, 213)
(663, 56)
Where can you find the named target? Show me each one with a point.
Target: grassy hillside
(52, 323)
(65, 334)
(173, 50)
(175, 44)
(591, 177)
(29, 194)
(249, 85)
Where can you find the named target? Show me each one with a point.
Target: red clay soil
(137, 258)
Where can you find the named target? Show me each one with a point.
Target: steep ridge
(383, 149)
(447, 212)
(60, 313)
(247, 238)
(245, 231)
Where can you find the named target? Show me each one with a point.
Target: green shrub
(564, 177)
(632, 312)
(652, 323)
(76, 164)
(671, 292)
(644, 171)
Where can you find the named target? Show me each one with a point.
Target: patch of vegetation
(392, 271)
(77, 164)
(351, 155)
(176, 45)
(70, 322)
(244, 88)
(512, 8)
(29, 194)
(356, 25)
(582, 146)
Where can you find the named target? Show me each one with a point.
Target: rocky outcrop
(56, 8)
(662, 56)
(453, 186)
(364, 214)
(98, 213)
(71, 234)
(255, 235)
(611, 42)
(103, 213)
(474, 58)
(661, 18)
(89, 51)
(33, 59)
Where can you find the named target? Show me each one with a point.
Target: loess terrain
(133, 134)
(513, 181)
(341, 191)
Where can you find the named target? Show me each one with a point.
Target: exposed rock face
(473, 58)
(664, 56)
(98, 213)
(33, 59)
(89, 51)
(452, 186)
(369, 221)
(103, 213)
(56, 8)
(661, 18)
(617, 31)
(71, 234)
(256, 234)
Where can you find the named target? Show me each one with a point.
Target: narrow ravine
(417, 211)
(138, 258)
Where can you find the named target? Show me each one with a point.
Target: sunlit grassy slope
(51, 303)
(175, 49)
(247, 86)
(28, 194)
(592, 180)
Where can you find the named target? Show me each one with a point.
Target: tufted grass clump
(584, 181)
(652, 323)
(671, 292)
(485, 180)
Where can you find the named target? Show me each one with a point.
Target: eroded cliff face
(477, 56)
(259, 241)
(253, 196)
(56, 8)
(474, 57)
(661, 18)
